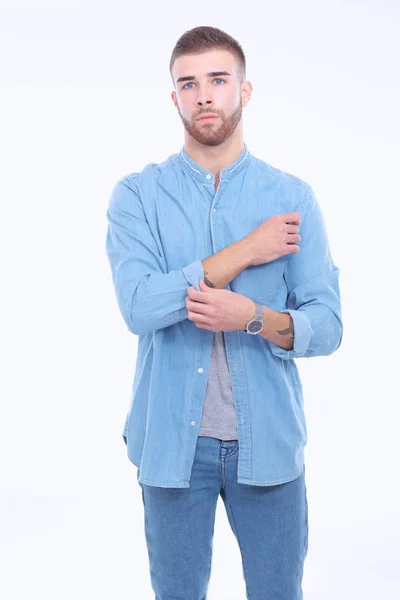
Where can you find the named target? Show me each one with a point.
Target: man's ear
(247, 90)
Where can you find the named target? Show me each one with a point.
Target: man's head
(208, 69)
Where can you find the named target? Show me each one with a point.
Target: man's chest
(195, 223)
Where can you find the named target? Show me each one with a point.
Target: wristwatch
(257, 322)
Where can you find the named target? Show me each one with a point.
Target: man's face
(219, 94)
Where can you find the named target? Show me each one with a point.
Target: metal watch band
(258, 313)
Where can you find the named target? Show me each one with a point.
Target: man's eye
(191, 83)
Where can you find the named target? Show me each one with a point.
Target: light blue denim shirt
(162, 222)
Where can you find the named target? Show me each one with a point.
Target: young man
(211, 273)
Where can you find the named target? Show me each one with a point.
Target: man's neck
(214, 158)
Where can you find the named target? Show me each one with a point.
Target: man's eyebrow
(211, 74)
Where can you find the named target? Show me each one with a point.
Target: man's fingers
(192, 291)
(196, 295)
(292, 217)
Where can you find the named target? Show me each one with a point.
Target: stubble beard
(212, 135)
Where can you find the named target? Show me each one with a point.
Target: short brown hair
(201, 39)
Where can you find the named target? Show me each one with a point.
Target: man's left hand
(218, 309)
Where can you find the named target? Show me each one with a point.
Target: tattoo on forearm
(207, 281)
(290, 329)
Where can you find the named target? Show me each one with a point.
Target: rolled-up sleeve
(312, 281)
(148, 296)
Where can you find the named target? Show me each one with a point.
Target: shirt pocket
(262, 282)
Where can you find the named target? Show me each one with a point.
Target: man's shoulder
(284, 177)
(150, 171)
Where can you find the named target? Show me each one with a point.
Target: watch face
(255, 326)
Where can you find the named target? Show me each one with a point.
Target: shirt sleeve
(312, 280)
(148, 296)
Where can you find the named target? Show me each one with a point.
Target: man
(211, 273)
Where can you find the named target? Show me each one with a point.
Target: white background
(85, 99)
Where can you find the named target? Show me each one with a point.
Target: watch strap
(258, 313)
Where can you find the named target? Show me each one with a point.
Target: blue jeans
(270, 524)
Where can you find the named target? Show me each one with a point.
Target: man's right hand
(273, 238)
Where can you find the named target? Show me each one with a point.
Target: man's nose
(204, 99)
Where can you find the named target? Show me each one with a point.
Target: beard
(212, 134)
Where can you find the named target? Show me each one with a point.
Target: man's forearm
(225, 265)
(278, 328)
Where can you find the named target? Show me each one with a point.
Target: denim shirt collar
(200, 174)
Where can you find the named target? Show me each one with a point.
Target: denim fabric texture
(162, 222)
(270, 525)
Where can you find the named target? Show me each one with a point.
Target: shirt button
(235, 366)
(208, 176)
(193, 423)
(200, 370)
(242, 419)
(215, 210)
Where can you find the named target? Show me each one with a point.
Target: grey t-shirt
(219, 414)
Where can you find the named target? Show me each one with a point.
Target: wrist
(246, 249)
(248, 312)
